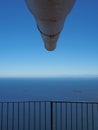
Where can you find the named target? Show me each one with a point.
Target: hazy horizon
(65, 76)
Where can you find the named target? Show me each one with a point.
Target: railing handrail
(51, 101)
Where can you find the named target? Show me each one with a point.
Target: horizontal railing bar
(51, 101)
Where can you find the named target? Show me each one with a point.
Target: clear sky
(22, 52)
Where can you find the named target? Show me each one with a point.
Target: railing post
(2, 116)
(51, 115)
(7, 114)
(13, 115)
(92, 117)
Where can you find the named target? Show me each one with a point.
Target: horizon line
(65, 76)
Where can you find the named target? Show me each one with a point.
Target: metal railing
(48, 115)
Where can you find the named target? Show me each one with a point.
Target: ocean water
(24, 89)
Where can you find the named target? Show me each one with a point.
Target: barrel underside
(50, 16)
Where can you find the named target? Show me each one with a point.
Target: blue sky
(22, 52)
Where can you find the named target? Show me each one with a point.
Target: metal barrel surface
(50, 16)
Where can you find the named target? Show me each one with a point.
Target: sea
(67, 89)
(49, 103)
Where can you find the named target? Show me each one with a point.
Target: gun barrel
(50, 16)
